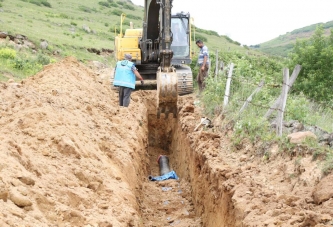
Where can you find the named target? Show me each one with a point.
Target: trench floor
(169, 202)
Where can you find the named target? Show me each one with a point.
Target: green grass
(283, 44)
(71, 27)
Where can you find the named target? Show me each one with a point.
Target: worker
(203, 62)
(125, 73)
(179, 36)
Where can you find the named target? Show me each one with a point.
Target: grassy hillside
(74, 26)
(283, 44)
(67, 24)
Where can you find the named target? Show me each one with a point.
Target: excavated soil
(69, 156)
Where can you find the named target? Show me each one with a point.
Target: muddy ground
(69, 156)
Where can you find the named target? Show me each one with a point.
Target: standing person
(203, 62)
(125, 73)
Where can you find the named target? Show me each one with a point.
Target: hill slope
(283, 44)
(73, 27)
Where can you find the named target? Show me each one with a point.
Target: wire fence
(246, 96)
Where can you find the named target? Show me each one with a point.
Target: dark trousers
(202, 75)
(124, 96)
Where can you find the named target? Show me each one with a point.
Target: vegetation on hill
(284, 44)
(82, 29)
(316, 57)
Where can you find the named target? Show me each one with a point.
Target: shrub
(7, 53)
(43, 59)
(85, 9)
(128, 7)
(116, 12)
(106, 4)
(130, 16)
(65, 16)
(36, 2)
(199, 36)
(46, 3)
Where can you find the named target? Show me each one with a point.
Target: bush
(7, 53)
(43, 59)
(36, 2)
(130, 16)
(106, 4)
(116, 12)
(46, 3)
(65, 16)
(85, 9)
(199, 36)
(128, 7)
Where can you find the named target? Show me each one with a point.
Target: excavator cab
(161, 52)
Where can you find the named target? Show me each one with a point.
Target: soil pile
(67, 150)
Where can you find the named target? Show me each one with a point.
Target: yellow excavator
(161, 51)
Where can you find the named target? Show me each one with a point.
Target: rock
(3, 194)
(297, 126)
(189, 108)
(93, 186)
(27, 180)
(44, 44)
(243, 158)
(299, 137)
(86, 28)
(324, 190)
(19, 200)
(3, 35)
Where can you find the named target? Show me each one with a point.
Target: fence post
(227, 89)
(293, 77)
(261, 84)
(216, 65)
(284, 94)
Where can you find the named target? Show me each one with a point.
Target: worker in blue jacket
(125, 73)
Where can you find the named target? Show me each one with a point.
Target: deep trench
(197, 198)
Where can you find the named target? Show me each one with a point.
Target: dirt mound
(63, 159)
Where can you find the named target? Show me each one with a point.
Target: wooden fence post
(277, 102)
(249, 99)
(217, 65)
(227, 90)
(284, 94)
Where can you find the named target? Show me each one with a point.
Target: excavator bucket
(167, 93)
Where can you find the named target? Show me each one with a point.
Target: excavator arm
(156, 46)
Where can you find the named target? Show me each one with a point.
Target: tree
(316, 57)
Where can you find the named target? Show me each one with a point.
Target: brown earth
(69, 156)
